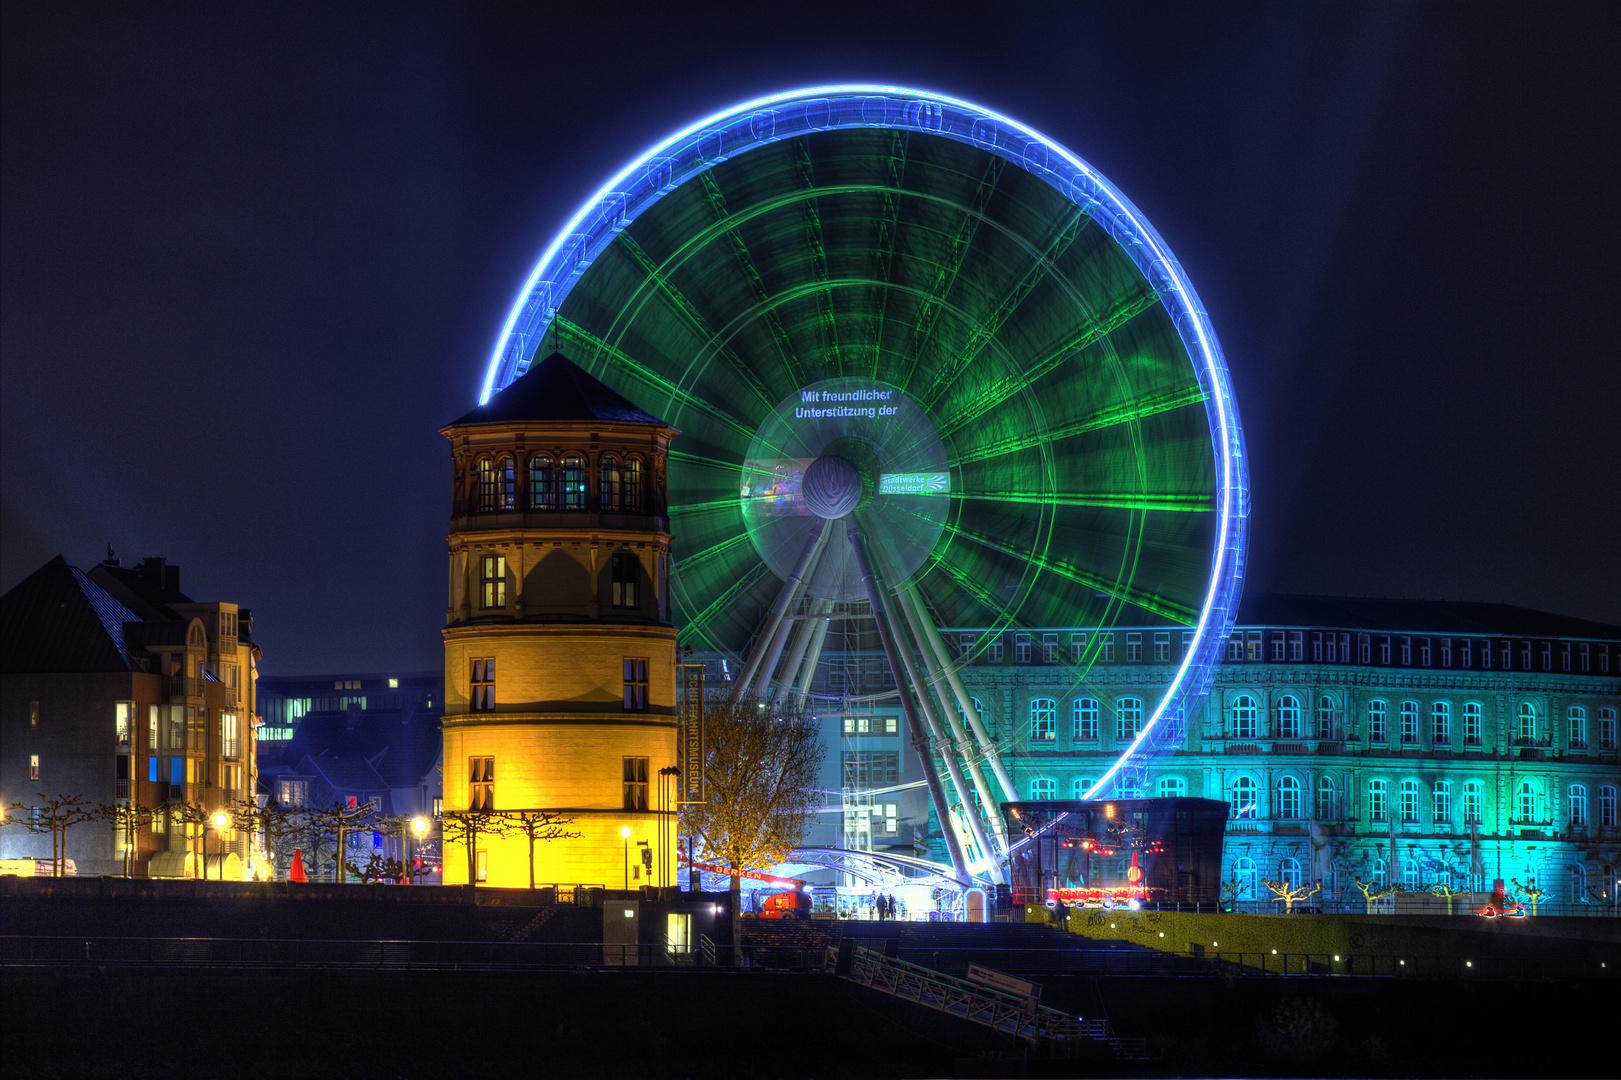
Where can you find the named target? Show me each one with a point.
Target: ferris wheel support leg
(965, 702)
(808, 672)
(920, 738)
(948, 744)
(796, 653)
(769, 642)
(928, 642)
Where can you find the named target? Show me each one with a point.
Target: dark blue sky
(253, 258)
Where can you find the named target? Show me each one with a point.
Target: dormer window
(542, 483)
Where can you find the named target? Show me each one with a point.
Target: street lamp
(624, 834)
(419, 829)
(221, 819)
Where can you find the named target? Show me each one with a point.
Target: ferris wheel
(930, 370)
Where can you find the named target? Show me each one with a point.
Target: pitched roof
(1414, 616)
(557, 389)
(135, 588)
(57, 619)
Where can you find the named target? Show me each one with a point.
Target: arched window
(1410, 872)
(1129, 787)
(1525, 802)
(1128, 718)
(633, 485)
(1578, 883)
(507, 481)
(573, 482)
(1289, 873)
(1241, 797)
(1244, 874)
(1409, 723)
(1441, 803)
(1474, 802)
(1378, 722)
(1328, 804)
(1378, 800)
(1525, 724)
(1086, 719)
(1578, 805)
(1409, 800)
(1441, 723)
(1325, 718)
(542, 483)
(1081, 786)
(1378, 870)
(1288, 717)
(1043, 719)
(1044, 789)
(489, 487)
(1577, 727)
(1172, 787)
(1288, 797)
(1606, 729)
(1243, 717)
(1471, 723)
(608, 483)
(1606, 806)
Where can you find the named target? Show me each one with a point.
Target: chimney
(152, 570)
(171, 579)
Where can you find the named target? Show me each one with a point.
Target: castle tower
(559, 651)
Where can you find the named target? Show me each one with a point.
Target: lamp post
(419, 830)
(624, 834)
(220, 821)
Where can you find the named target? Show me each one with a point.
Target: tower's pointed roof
(557, 389)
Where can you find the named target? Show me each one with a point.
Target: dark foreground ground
(90, 1022)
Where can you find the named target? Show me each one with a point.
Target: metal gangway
(1021, 1017)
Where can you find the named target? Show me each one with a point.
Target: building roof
(557, 389)
(58, 620)
(146, 589)
(1414, 616)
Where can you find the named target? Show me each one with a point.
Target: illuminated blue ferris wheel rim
(762, 121)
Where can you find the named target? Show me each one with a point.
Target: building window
(1525, 802)
(1327, 804)
(1378, 730)
(489, 485)
(1127, 787)
(633, 485)
(1525, 724)
(1241, 797)
(482, 864)
(33, 766)
(573, 482)
(1606, 729)
(994, 653)
(1378, 805)
(1043, 723)
(1409, 723)
(1082, 785)
(542, 483)
(1474, 800)
(1576, 717)
(867, 768)
(1278, 647)
(1578, 806)
(1471, 723)
(1172, 787)
(1297, 645)
(1049, 648)
(1021, 648)
(1446, 652)
(1288, 797)
(1441, 723)
(965, 648)
(1586, 655)
(483, 685)
(1326, 728)
(635, 774)
(1406, 652)
(507, 485)
(1441, 802)
(1235, 646)
(1134, 647)
(608, 483)
(1378, 871)
(1252, 645)
(1384, 650)
(1288, 717)
(1289, 873)
(1364, 647)
(1564, 657)
(1244, 717)
(1162, 647)
(1409, 801)
(1244, 875)
(230, 735)
(635, 684)
(626, 574)
(1044, 789)
(481, 784)
(1108, 647)
(493, 578)
(1606, 806)
(1086, 719)
(1317, 646)
(1128, 718)
(295, 792)
(1424, 651)
(1077, 647)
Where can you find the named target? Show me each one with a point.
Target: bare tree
(56, 816)
(1374, 890)
(272, 818)
(128, 819)
(760, 772)
(535, 826)
(340, 819)
(195, 816)
(1291, 895)
(1445, 889)
(466, 826)
(1530, 890)
(378, 868)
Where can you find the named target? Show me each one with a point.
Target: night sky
(254, 258)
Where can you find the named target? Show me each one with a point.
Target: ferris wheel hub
(831, 486)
